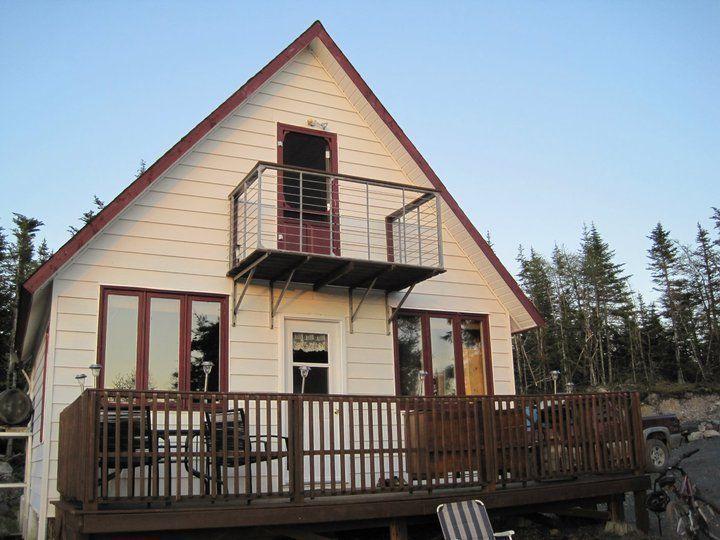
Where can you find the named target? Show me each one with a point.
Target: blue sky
(539, 116)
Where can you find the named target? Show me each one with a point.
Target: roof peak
(167, 160)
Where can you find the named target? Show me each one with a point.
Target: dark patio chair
(467, 520)
(126, 441)
(227, 449)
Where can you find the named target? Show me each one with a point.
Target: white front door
(312, 348)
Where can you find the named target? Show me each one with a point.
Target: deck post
(488, 415)
(639, 438)
(398, 529)
(89, 419)
(616, 507)
(295, 422)
(642, 520)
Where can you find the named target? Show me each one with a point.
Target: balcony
(318, 228)
(153, 460)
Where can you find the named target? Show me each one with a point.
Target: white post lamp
(304, 372)
(207, 369)
(80, 378)
(555, 375)
(95, 370)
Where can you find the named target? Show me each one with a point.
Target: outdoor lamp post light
(569, 387)
(555, 375)
(304, 372)
(95, 370)
(421, 376)
(80, 378)
(207, 368)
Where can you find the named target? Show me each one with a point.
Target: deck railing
(307, 211)
(145, 446)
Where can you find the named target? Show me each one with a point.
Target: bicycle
(675, 494)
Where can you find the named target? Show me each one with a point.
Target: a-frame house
(287, 305)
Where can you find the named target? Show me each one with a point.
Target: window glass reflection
(204, 344)
(410, 355)
(121, 336)
(164, 344)
(315, 383)
(443, 357)
(473, 357)
(310, 349)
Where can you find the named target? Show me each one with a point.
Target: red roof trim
(316, 30)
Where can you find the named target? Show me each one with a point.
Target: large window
(439, 354)
(158, 341)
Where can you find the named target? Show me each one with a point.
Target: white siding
(37, 465)
(175, 236)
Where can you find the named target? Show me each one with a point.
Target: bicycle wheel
(678, 520)
(709, 519)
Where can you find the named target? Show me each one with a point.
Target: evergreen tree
(606, 293)
(43, 253)
(23, 251)
(141, 169)
(663, 267)
(699, 300)
(7, 297)
(88, 216)
(22, 255)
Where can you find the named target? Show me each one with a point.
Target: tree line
(601, 333)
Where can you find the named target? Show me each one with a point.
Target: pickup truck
(662, 433)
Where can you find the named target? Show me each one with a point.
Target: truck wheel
(656, 455)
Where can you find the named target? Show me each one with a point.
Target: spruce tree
(43, 253)
(88, 216)
(606, 293)
(23, 251)
(22, 254)
(663, 267)
(7, 297)
(141, 169)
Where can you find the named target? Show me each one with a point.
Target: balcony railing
(119, 447)
(312, 212)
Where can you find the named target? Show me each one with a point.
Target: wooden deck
(132, 461)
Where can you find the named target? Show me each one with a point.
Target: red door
(308, 220)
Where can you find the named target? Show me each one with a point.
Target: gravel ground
(703, 469)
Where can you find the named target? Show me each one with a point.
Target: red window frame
(143, 333)
(456, 318)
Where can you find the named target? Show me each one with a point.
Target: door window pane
(443, 357)
(164, 344)
(473, 357)
(204, 344)
(310, 348)
(315, 383)
(121, 336)
(410, 355)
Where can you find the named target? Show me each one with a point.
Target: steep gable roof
(316, 31)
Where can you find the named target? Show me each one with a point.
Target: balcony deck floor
(320, 269)
(215, 514)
